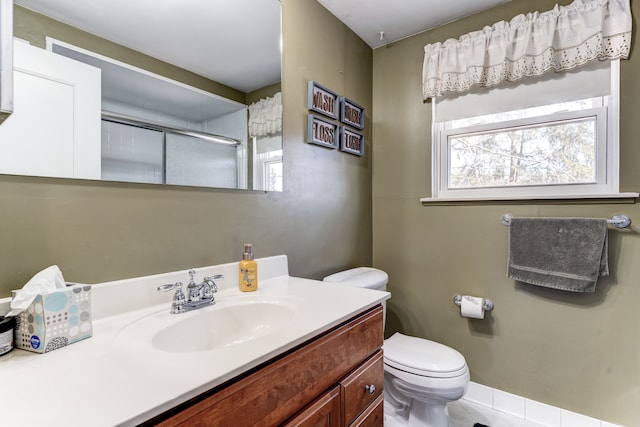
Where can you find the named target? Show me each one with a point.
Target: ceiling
(237, 42)
(234, 42)
(399, 19)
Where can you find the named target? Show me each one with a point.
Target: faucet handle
(210, 286)
(179, 300)
(169, 287)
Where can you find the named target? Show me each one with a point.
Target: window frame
(607, 184)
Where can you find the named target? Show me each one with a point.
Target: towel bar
(618, 220)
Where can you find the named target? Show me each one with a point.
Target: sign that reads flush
(351, 142)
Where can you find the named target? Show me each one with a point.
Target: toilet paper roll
(472, 307)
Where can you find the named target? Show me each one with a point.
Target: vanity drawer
(361, 387)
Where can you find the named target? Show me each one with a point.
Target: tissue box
(55, 319)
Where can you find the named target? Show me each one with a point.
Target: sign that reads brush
(351, 113)
(322, 100)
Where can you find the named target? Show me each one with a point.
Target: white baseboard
(528, 409)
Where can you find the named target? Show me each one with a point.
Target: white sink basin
(228, 323)
(222, 327)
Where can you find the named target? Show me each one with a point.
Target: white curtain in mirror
(265, 130)
(265, 116)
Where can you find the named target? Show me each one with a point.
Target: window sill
(622, 198)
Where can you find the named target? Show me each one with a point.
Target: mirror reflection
(152, 124)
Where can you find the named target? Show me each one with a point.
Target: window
(267, 162)
(273, 174)
(556, 137)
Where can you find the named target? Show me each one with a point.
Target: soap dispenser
(248, 274)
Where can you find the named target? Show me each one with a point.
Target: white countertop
(107, 380)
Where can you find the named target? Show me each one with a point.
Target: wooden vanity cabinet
(325, 382)
(357, 399)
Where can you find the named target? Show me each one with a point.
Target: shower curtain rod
(618, 220)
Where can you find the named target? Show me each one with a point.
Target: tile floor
(464, 413)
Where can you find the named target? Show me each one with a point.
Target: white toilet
(420, 376)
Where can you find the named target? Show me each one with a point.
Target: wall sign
(326, 133)
(322, 132)
(322, 100)
(351, 141)
(351, 113)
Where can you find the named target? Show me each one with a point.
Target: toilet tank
(361, 277)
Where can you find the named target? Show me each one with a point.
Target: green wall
(262, 93)
(577, 352)
(100, 231)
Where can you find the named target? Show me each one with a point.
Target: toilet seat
(422, 357)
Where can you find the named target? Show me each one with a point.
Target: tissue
(55, 319)
(51, 314)
(472, 307)
(43, 282)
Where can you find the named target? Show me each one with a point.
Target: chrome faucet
(194, 291)
(198, 294)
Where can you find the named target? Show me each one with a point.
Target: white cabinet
(55, 127)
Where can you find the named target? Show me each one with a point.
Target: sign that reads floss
(322, 132)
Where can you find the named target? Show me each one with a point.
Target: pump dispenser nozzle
(248, 251)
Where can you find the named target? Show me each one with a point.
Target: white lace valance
(529, 45)
(265, 116)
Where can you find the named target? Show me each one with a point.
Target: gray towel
(561, 253)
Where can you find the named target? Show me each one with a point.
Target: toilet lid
(423, 357)
(360, 277)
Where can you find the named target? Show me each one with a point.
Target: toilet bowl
(420, 376)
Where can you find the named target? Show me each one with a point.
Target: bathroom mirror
(235, 44)
(6, 59)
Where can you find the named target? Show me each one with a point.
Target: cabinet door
(324, 412)
(373, 416)
(55, 126)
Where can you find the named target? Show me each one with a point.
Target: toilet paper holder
(487, 304)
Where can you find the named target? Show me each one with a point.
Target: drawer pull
(371, 388)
